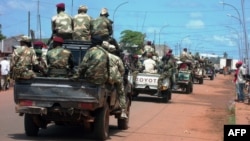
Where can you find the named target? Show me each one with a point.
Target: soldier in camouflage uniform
(94, 66)
(62, 24)
(102, 26)
(166, 69)
(60, 60)
(81, 23)
(24, 60)
(117, 70)
(135, 66)
(41, 52)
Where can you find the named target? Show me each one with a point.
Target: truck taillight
(26, 103)
(87, 106)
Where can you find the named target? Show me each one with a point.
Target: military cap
(136, 56)
(170, 51)
(148, 42)
(25, 39)
(60, 5)
(83, 7)
(58, 39)
(104, 11)
(239, 62)
(38, 43)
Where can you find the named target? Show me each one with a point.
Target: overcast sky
(200, 25)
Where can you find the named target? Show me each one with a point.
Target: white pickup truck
(147, 83)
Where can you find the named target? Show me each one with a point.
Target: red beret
(168, 54)
(60, 5)
(240, 62)
(38, 43)
(58, 39)
(136, 56)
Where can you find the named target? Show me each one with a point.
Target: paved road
(199, 116)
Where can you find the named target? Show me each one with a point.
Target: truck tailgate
(146, 80)
(56, 89)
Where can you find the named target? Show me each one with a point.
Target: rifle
(50, 39)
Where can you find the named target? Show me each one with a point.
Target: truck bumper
(31, 110)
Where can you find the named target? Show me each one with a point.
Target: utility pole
(29, 23)
(38, 20)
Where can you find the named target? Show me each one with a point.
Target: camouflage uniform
(62, 25)
(41, 53)
(102, 26)
(94, 66)
(135, 66)
(22, 61)
(60, 62)
(116, 68)
(117, 72)
(81, 23)
(166, 69)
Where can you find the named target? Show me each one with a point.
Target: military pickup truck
(147, 83)
(62, 101)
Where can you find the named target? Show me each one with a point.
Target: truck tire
(201, 81)
(166, 95)
(123, 123)
(31, 129)
(188, 88)
(212, 77)
(101, 123)
(135, 94)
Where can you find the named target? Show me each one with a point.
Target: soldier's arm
(121, 66)
(110, 28)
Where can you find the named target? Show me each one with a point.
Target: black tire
(201, 81)
(212, 77)
(166, 95)
(135, 94)
(123, 123)
(101, 123)
(188, 88)
(31, 129)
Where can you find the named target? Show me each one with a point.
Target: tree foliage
(131, 39)
(225, 55)
(1, 35)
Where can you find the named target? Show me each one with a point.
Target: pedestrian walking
(5, 68)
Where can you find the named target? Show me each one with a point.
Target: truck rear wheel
(201, 80)
(166, 95)
(188, 88)
(123, 123)
(101, 123)
(31, 129)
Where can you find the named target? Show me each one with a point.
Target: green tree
(225, 55)
(129, 39)
(1, 35)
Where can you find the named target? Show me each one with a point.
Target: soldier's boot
(124, 114)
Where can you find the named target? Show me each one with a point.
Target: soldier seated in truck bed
(149, 64)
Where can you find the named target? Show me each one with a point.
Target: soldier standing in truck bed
(81, 23)
(62, 25)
